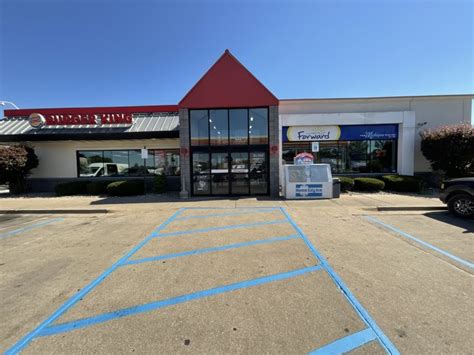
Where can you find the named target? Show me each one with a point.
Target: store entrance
(234, 172)
(229, 152)
(238, 173)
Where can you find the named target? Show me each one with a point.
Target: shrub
(368, 184)
(450, 148)
(97, 187)
(402, 183)
(347, 183)
(78, 187)
(16, 162)
(125, 188)
(159, 183)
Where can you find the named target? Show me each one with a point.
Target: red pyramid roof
(228, 84)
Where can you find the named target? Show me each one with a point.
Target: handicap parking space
(218, 218)
(224, 280)
(210, 239)
(290, 316)
(439, 233)
(137, 284)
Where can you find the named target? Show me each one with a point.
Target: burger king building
(230, 135)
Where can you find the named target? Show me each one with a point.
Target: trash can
(336, 187)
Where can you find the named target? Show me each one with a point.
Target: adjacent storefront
(348, 149)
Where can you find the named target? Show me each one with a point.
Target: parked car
(459, 195)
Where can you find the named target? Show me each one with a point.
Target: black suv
(459, 195)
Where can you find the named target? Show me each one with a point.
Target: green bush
(402, 183)
(97, 187)
(78, 187)
(125, 188)
(347, 183)
(159, 183)
(368, 184)
(450, 149)
(16, 162)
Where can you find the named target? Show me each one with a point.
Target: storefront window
(348, 157)
(329, 153)
(218, 127)
(199, 127)
(221, 164)
(220, 173)
(91, 163)
(258, 125)
(201, 174)
(258, 173)
(238, 122)
(127, 163)
(355, 157)
(382, 157)
(166, 162)
(290, 150)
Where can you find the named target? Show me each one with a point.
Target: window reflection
(258, 125)
(218, 127)
(127, 163)
(238, 121)
(199, 127)
(369, 156)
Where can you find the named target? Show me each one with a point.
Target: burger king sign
(36, 120)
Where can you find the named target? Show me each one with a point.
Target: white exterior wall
(410, 112)
(57, 159)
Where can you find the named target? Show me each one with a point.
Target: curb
(63, 211)
(411, 208)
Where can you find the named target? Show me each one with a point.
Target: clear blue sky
(99, 53)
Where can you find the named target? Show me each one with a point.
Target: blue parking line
(383, 339)
(422, 242)
(230, 208)
(224, 214)
(23, 342)
(211, 229)
(30, 227)
(210, 250)
(346, 344)
(147, 307)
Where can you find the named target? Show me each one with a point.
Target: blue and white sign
(369, 132)
(309, 190)
(336, 133)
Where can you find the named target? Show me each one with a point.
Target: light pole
(3, 103)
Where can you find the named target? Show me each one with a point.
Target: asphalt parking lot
(244, 277)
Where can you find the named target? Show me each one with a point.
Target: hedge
(159, 183)
(347, 183)
(368, 184)
(71, 188)
(126, 188)
(402, 183)
(97, 187)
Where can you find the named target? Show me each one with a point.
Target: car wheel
(462, 205)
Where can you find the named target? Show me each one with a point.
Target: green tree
(16, 162)
(450, 149)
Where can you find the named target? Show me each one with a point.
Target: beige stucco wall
(434, 110)
(58, 159)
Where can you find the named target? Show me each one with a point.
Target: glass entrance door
(239, 173)
(230, 173)
(219, 174)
